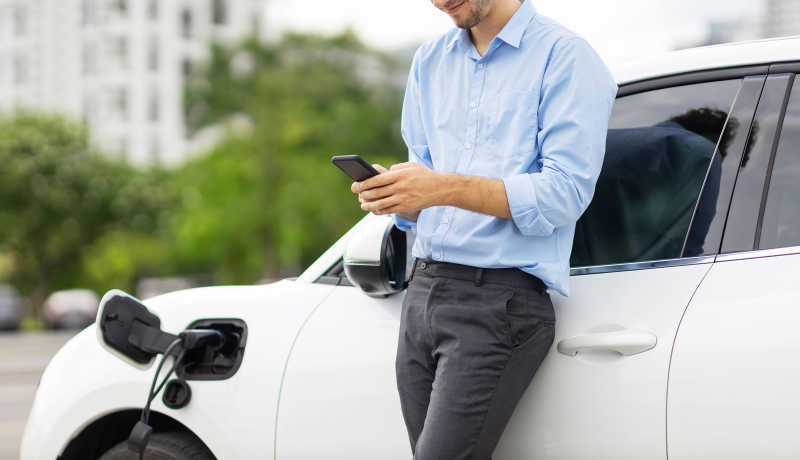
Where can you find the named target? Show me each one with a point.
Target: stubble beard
(478, 9)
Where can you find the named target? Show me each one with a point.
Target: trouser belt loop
(478, 277)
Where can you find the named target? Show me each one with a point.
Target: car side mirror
(376, 257)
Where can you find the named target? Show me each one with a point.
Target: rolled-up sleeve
(575, 104)
(413, 132)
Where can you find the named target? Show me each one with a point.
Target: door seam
(671, 353)
(286, 366)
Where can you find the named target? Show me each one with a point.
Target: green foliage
(58, 197)
(269, 199)
(263, 202)
(119, 258)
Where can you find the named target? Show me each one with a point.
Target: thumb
(380, 168)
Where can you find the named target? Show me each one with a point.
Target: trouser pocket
(527, 311)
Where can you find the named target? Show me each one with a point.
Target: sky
(620, 30)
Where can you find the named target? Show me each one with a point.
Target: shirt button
(480, 66)
(467, 145)
(473, 105)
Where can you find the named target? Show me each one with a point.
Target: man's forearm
(475, 193)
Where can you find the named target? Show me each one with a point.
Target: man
(505, 118)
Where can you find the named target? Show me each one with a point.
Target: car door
(339, 396)
(640, 251)
(734, 378)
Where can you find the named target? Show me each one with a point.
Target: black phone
(355, 167)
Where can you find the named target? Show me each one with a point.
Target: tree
(268, 199)
(59, 196)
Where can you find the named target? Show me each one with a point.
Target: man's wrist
(447, 190)
(411, 215)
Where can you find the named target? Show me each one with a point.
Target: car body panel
(734, 374)
(591, 404)
(351, 335)
(235, 417)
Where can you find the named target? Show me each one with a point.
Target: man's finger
(376, 193)
(392, 209)
(378, 205)
(358, 187)
(378, 181)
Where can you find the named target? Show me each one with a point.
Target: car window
(781, 222)
(660, 151)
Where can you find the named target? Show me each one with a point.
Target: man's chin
(463, 24)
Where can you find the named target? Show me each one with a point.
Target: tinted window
(660, 152)
(781, 224)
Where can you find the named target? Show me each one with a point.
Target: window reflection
(660, 151)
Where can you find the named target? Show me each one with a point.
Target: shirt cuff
(408, 226)
(524, 208)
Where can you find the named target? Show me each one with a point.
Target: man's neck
(483, 33)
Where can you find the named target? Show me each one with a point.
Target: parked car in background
(70, 309)
(679, 339)
(10, 308)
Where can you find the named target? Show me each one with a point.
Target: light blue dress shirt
(532, 111)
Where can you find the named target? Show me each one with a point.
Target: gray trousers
(470, 342)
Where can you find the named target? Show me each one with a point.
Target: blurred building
(781, 18)
(117, 64)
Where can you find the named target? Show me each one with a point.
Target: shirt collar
(459, 37)
(511, 33)
(515, 27)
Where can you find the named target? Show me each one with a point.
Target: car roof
(736, 54)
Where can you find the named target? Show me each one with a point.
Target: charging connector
(196, 338)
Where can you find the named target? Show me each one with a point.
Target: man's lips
(454, 9)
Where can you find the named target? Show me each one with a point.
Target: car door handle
(626, 342)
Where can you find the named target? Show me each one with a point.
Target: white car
(680, 338)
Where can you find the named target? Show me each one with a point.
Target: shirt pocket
(512, 125)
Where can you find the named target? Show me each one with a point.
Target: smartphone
(355, 167)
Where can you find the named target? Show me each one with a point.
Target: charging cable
(187, 340)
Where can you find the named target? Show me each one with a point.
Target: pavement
(23, 357)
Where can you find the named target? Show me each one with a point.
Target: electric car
(678, 340)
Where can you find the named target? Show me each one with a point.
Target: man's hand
(405, 189)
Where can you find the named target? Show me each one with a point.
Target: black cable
(150, 395)
(171, 371)
(189, 339)
(141, 432)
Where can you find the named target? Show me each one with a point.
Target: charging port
(220, 361)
